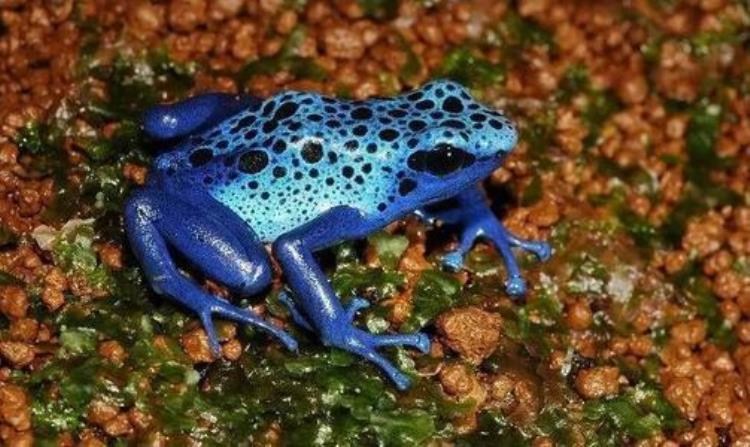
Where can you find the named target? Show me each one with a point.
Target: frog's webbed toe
(491, 230)
(541, 249)
(297, 316)
(365, 344)
(475, 220)
(453, 261)
(342, 334)
(515, 286)
(233, 313)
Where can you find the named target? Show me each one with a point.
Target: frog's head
(461, 143)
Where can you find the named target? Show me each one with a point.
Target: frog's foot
(515, 286)
(346, 336)
(453, 261)
(488, 228)
(541, 249)
(239, 315)
(350, 338)
(365, 344)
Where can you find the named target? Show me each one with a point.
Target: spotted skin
(303, 171)
(285, 161)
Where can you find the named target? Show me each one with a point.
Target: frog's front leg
(214, 240)
(318, 302)
(477, 221)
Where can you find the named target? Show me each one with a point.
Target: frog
(240, 180)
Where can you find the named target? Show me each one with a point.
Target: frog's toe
(365, 345)
(515, 286)
(453, 261)
(541, 249)
(355, 305)
(294, 311)
(416, 340)
(213, 337)
(230, 312)
(400, 379)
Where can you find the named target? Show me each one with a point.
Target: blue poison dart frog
(303, 172)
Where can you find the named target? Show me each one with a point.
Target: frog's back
(281, 162)
(286, 161)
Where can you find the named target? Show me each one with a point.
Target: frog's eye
(443, 160)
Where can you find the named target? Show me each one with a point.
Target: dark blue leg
(156, 221)
(250, 273)
(169, 121)
(317, 299)
(477, 221)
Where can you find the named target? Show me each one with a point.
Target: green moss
(319, 398)
(538, 132)
(588, 274)
(533, 193)
(77, 383)
(494, 429)
(640, 229)
(286, 59)
(7, 279)
(640, 413)
(464, 66)
(599, 105)
(43, 142)
(353, 279)
(412, 66)
(434, 293)
(703, 43)
(555, 422)
(7, 237)
(514, 34)
(136, 83)
(77, 342)
(534, 326)
(705, 303)
(34, 139)
(700, 140)
(379, 9)
(389, 248)
(73, 251)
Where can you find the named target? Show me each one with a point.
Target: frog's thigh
(208, 241)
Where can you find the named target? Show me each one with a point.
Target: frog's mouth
(492, 162)
(484, 166)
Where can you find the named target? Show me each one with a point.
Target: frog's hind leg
(190, 116)
(156, 222)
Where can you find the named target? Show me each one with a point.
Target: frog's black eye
(441, 161)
